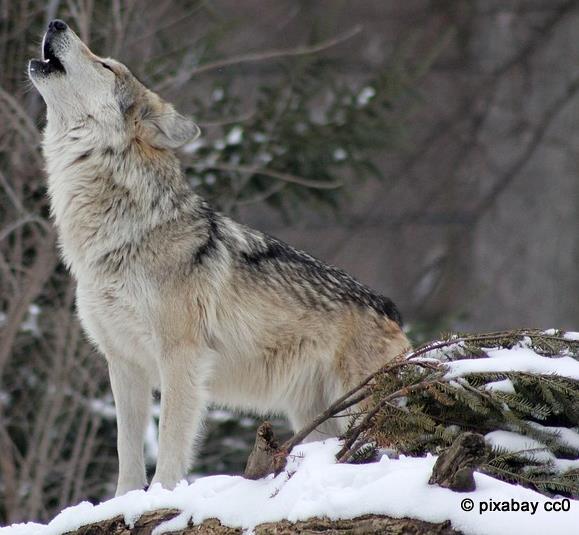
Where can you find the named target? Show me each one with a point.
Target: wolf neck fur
(106, 194)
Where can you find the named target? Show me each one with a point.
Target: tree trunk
(455, 466)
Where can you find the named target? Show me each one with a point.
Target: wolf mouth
(50, 60)
(50, 63)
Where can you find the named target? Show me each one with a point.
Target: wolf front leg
(183, 403)
(132, 393)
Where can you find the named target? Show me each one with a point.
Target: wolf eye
(107, 67)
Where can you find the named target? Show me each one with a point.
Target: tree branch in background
(285, 177)
(261, 56)
(535, 140)
(277, 53)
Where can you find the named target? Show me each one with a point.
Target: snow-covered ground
(314, 485)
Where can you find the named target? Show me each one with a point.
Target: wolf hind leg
(309, 407)
(328, 429)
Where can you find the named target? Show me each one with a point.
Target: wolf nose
(57, 25)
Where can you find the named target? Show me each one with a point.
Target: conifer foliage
(528, 413)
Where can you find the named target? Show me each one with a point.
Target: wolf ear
(167, 129)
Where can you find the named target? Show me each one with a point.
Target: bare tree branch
(258, 57)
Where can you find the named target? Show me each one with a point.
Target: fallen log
(363, 525)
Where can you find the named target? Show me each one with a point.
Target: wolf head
(79, 87)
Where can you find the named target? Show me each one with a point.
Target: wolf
(175, 295)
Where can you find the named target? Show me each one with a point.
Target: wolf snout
(56, 29)
(57, 25)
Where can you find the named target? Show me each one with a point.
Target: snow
(264, 157)
(364, 96)
(506, 385)
(440, 353)
(194, 146)
(571, 336)
(151, 441)
(530, 448)
(566, 436)
(519, 358)
(30, 324)
(235, 136)
(104, 407)
(220, 415)
(218, 94)
(314, 484)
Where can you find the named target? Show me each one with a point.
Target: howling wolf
(176, 295)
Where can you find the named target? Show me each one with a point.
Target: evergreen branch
(511, 336)
(346, 451)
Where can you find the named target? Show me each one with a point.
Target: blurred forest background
(429, 147)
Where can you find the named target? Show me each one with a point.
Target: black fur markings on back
(329, 282)
(209, 247)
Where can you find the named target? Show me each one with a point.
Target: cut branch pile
(414, 407)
